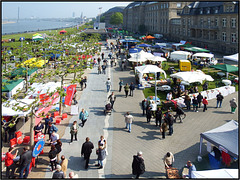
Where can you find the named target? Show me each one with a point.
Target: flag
(70, 93)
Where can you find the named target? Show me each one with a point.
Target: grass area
(211, 85)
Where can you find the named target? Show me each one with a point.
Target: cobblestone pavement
(121, 145)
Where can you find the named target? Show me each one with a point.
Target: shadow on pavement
(221, 112)
(76, 163)
(151, 135)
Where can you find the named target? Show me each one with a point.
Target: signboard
(38, 147)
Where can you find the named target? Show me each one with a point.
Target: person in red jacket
(205, 103)
(9, 163)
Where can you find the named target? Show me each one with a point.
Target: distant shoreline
(8, 22)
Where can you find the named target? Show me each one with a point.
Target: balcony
(204, 27)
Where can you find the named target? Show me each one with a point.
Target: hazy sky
(57, 9)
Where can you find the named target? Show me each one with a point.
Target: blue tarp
(134, 50)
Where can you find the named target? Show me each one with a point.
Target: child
(205, 103)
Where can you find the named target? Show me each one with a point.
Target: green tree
(116, 18)
(102, 19)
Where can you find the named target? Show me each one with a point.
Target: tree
(116, 18)
(142, 29)
(102, 19)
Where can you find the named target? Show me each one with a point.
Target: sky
(56, 9)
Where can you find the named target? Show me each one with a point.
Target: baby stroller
(108, 108)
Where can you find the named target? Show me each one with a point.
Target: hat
(139, 153)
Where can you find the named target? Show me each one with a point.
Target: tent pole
(155, 88)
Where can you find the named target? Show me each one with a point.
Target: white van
(180, 55)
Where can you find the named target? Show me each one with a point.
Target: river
(23, 26)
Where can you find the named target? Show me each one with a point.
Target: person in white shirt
(54, 137)
(169, 96)
(153, 107)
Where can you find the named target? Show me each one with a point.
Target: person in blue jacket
(83, 117)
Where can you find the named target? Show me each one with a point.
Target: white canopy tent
(142, 56)
(180, 55)
(191, 77)
(217, 173)
(203, 55)
(8, 111)
(158, 58)
(150, 69)
(224, 137)
(233, 57)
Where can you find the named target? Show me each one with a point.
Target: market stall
(216, 174)
(180, 55)
(11, 86)
(233, 57)
(206, 58)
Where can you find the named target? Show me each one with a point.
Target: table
(173, 173)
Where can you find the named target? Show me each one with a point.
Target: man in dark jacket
(148, 114)
(47, 119)
(170, 124)
(58, 174)
(25, 160)
(87, 150)
(131, 87)
(179, 112)
(158, 116)
(199, 99)
(138, 166)
(112, 99)
(219, 100)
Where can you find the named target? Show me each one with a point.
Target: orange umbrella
(149, 37)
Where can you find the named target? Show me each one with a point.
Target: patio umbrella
(149, 37)
(37, 37)
(144, 45)
(225, 67)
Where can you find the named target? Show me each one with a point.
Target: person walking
(58, 147)
(195, 104)
(112, 99)
(53, 157)
(104, 68)
(128, 121)
(99, 60)
(138, 165)
(83, 117)
(158, 116)
(87, 150)
(81, 84)
(163, 128)
(219, 100)
(101, 152)
(126, 89)
(108, 84)
(187, 101)
(132, 88)
(199, 99)
(170, 124)
(47, 119)
(120, 85)
(51, 128)
(102, 55)
(9, 162)
(168, 160)
(99, 69)
(205, 103)
(144, 106)
(85, 82)
(233, 105)
(64, 164)
(58, 174)
(25, 160)
(74, 130)
(148, 114)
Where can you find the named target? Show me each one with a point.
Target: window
(179, 5)
(179, 12)
(216, 10)
(183, 21)
(227, 9)
(161, 6)
(224, 36)
(215, 36)
(167, 5)
(164, 5)
(201, 11)
(189, 21)
(230, 9)
(201, 21)
(233, 20)
(234, 38)
(216, 21)
(208, 11)
(188, 33)
(224, 22)
(208, 22)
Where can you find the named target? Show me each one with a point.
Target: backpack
(52, 154)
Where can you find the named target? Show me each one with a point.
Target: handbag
(161, 130)
(97, 151)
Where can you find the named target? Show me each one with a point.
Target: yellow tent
(33, 62)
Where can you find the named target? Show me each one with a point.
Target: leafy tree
(102, 19)
(116, 18)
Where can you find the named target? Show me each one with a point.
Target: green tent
(196, 49)
(225, 67)
(20, 71)
(187, 45)
(10, 84)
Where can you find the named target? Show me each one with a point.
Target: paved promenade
(121, 145)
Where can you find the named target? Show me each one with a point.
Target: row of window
(224, 22)
(233, 37)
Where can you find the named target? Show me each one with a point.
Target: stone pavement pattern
(121, 145)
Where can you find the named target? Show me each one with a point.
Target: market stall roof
(181, 52)
(209, 55)
(33, 62)
(149, 69)
(225, 67)
(134, 50)
(225, 136)
(196, 49)
(144, 45)
(216, 173)
(233, 57)
(186, 45)
(149, 37)
(141, 56)
(20, 71)
(158, 58)
(192, 76)
(63, 31)
(11, 84)
(8, 111)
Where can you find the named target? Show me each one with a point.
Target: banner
(70, 93)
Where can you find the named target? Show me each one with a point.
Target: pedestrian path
(145, 137)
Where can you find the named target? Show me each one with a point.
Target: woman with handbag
(101, 152)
